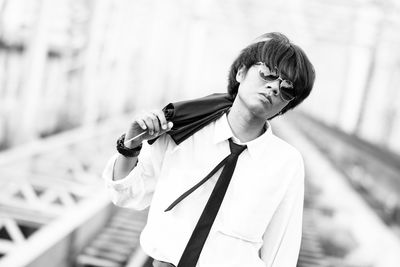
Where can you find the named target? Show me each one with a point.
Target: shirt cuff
(120, 184)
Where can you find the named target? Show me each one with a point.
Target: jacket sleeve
(282, 238)
(136, 189)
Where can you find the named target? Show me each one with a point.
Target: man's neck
(244, 125)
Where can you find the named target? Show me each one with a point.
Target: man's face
(261, 90)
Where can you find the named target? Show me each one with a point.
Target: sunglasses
(286, 87)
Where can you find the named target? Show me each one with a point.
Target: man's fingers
(161, 117)
(156, 123)
(170, 125)
(141, 123)
(150, 124)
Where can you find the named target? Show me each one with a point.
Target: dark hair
(275, 49)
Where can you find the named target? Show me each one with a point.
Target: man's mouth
(267, 97)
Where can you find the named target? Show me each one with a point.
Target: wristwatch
(125, 151)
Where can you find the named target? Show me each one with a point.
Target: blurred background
(74, 72)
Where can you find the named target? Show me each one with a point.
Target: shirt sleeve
(282, 238)
(136, 189)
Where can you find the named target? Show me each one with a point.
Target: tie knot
(235, 148)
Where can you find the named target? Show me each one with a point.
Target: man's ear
(241, 73)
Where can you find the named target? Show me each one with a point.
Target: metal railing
(52, 199)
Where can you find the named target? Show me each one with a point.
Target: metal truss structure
(50, 184)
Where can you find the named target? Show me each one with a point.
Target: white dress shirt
(260, 220)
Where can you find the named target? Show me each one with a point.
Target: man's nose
(273, 87)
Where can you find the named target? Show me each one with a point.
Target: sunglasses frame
(285, 94)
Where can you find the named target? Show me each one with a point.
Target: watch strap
(125, 151)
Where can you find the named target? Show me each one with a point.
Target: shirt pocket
(247, 218)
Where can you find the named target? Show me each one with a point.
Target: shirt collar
(256, 147)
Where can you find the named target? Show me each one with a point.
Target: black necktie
(196, 242)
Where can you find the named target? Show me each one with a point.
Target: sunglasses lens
(287, 90)
(266, 74)
(286, 86)
(287, 93)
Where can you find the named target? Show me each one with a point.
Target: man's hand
(151, 122)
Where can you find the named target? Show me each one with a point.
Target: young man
(248, 210)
